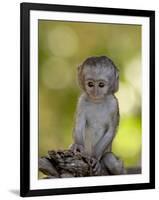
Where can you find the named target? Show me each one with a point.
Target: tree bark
(66, 163)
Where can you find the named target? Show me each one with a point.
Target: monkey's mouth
(96, 98)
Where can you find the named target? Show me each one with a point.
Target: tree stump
(66, 163)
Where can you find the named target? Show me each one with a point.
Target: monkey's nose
(95, 92)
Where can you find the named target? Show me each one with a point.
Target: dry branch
(66, 163)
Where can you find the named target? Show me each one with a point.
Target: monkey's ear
(80, 75)
(79, 67)
(115, 84)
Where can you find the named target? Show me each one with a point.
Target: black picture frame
(25, 9)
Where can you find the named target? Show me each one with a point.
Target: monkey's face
(98, 77)
(96, 89)
(96, 82)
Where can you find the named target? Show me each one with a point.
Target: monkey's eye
(101, 84)
(90, 84)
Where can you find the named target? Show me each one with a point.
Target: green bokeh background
(64, 45)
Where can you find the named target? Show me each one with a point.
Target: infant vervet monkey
(97, 116)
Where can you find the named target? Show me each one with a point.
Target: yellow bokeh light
(56, 73)
(127, 98)
(62, 41)
(132, 73)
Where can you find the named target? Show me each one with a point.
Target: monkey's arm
(79, 125)
(107, 138)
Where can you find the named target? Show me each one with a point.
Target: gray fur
(97, 114)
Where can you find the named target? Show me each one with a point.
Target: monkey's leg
(113, 164)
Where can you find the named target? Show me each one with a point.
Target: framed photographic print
(87, 99)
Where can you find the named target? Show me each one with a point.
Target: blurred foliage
(64, 45)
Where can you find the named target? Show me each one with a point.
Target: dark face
(96, 89)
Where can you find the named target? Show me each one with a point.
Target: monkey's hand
(96, 166)
(77, 148)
